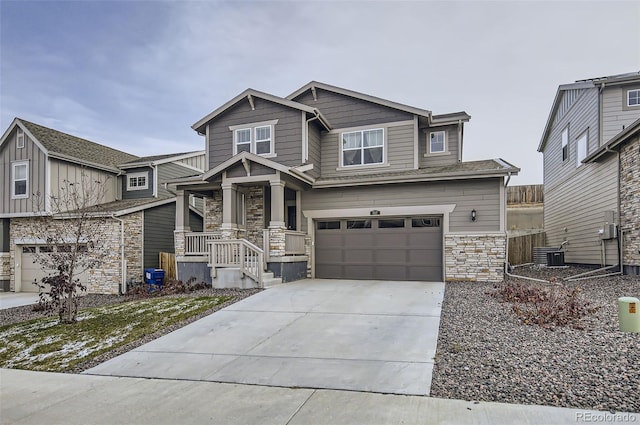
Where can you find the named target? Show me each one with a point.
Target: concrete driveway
(375, 336)
(16, 299)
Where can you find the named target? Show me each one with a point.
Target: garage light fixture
(374, 212)
(473, 215)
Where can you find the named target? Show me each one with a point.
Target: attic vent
(20, 139)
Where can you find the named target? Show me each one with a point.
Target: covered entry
(389, 248)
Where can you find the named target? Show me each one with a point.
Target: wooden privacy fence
(168, 264)
(521, 247)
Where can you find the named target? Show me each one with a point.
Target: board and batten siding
(138, 194)
(287, 132)
(580, 117)
(345, 111)
(574, 210)
(483, 195)
(449, 157)
(37, 159)
(63, 172)
(615, 114)
(197, 161)
(159, 224)
(399, 150)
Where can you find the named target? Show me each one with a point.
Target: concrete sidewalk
(54, 398)
(17, 299)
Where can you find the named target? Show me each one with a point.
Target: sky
(135, 75)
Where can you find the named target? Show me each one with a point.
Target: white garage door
(31, 270)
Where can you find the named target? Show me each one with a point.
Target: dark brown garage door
(380, 248)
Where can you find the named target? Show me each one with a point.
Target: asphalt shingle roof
(157, 157)
(125, 204)
(84, 150)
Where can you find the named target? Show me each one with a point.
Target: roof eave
(631, 131)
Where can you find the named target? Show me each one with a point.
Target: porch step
(269, 280)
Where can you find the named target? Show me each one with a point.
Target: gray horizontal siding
(4, 235)
(37, 174)
(159, 224)
(481, 195)
(441, 159)
(138, 194)
(614, 116)
(314, 149)
(171, 171)
(574, 211)
(288, 131)
(345, 111)
(400, 148)
(581, 117)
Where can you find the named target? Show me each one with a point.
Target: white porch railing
(237, 253)
(293, 242)
(195, 243)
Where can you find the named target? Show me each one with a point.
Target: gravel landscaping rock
(485, 354)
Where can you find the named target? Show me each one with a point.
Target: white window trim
(374, 165)
(579, 158)
(629, 97)
(131, 176)
(444, 143)
(252, 127)
(20, 138)
(564, 140)
(14, 165)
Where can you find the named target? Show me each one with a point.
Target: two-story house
(591, 172)
(38, 161)
(332, 183)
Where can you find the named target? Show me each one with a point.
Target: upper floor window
(633, 97)
(565, 144)
(581, 149)
(363, 147)
(437, 142)
(20, 139)
(20, 180)
(257, 138)
(138, 181)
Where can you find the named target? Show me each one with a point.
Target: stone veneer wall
(212, 212)
(475, 258)
(5, 265)
(105, 279)
(255, 215)
(630, 203)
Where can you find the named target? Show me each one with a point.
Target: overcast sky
(135, 75)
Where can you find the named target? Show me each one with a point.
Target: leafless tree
(72, 228)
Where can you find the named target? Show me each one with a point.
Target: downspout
(155, 180)
(316, 116)
(123, 282)
(460, 144)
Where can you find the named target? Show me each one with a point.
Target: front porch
(251, 234)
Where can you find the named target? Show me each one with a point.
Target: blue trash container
(154, 278)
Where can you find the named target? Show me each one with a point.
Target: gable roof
(160, 159)
(625, 135)
(589, 83)
(249, 94)
(71, 148)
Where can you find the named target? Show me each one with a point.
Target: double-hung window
(364, 147)
(256, 138)
(565, 144)
(20, 180)
(138, 181)
(437, 142)
(581, 149)
(633, 97)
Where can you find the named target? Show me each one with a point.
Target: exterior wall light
(473, 215)
(374, 212)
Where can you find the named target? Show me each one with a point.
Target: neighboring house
(331, 183)
(37, 160)
(591, 182)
